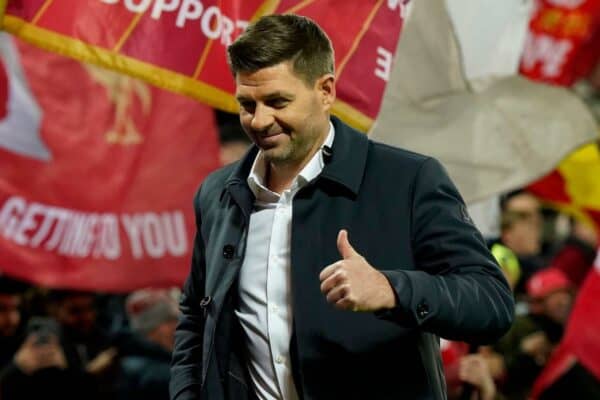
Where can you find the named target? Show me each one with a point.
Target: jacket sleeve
(457, 290)
(186, 363)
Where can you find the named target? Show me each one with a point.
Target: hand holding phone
(41, 348)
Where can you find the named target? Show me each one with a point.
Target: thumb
(344, 247)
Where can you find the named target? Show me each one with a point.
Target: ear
(325, 85)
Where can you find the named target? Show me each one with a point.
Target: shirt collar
(256, 177)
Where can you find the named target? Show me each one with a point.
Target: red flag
(581, 342)
(97, 175)
(573, 186)
(180, 44)
(563, 45)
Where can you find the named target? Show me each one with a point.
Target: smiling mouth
(271, 135)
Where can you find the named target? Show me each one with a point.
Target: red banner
(581, 342)
(97, 174)
(563, 43)
(562, 47)
(181, 44)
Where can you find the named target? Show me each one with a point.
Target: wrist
(389, 300)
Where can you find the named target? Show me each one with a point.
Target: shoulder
(214, 183)
(405, 162)
(386, 151)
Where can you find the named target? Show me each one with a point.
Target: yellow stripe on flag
(266, 8)
(153, 74)
(132, 25)
(157, 76)
(298, 7)
(203, 58)
(358, 38)
(2, 10)
(41, 12)
(352, 116)
(581, 173)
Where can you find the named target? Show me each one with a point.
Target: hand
(353, 284)
(32, 357)
(586, 233)
(494, 361)
(102, 361)
(538, 346)
(474, 370)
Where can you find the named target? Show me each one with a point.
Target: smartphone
(44, 328)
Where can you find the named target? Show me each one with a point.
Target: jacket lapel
(349, 157)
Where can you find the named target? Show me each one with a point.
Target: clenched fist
(353, 284)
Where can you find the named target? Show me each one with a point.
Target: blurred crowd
(545, 256)
(69, 344)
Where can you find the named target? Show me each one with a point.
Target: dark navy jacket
(405, 216)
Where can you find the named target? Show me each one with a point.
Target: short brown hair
(274, 39)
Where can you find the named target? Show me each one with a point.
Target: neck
(280, 176)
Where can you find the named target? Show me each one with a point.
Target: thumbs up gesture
(353, 284)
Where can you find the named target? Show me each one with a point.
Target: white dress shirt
(265, 298)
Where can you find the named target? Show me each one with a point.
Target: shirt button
(280, 359)
(228, 251)
(274, 308)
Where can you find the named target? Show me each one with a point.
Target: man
(34, 363)
(325, 265)
(522, 232)
(152, 315)
(234, 142)
(532, 338)
(521, 228)
(11, 296)
(522, 223)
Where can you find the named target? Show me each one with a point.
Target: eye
(248, 106)
(278, 102)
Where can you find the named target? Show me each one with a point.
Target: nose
(262, 118)
(15, 318)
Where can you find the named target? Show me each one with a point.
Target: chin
(275, 154)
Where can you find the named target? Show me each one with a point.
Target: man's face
(525, 236)
(78, 313)
(10, 315)
(164, 334)
(284, 116)
(557, 306)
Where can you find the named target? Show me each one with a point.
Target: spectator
(521, 232)
(38, 365)
(11, 293)
(85, 344)
(577, 254)
(233, 140)
(530, 341)
(153, 315)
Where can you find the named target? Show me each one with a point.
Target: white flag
(507, 133)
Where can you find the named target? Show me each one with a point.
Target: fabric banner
(581, 342)
(563, 43)
(574, 187)
(563, 46)
(181, 44)
(500, 135)
(97, 174)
